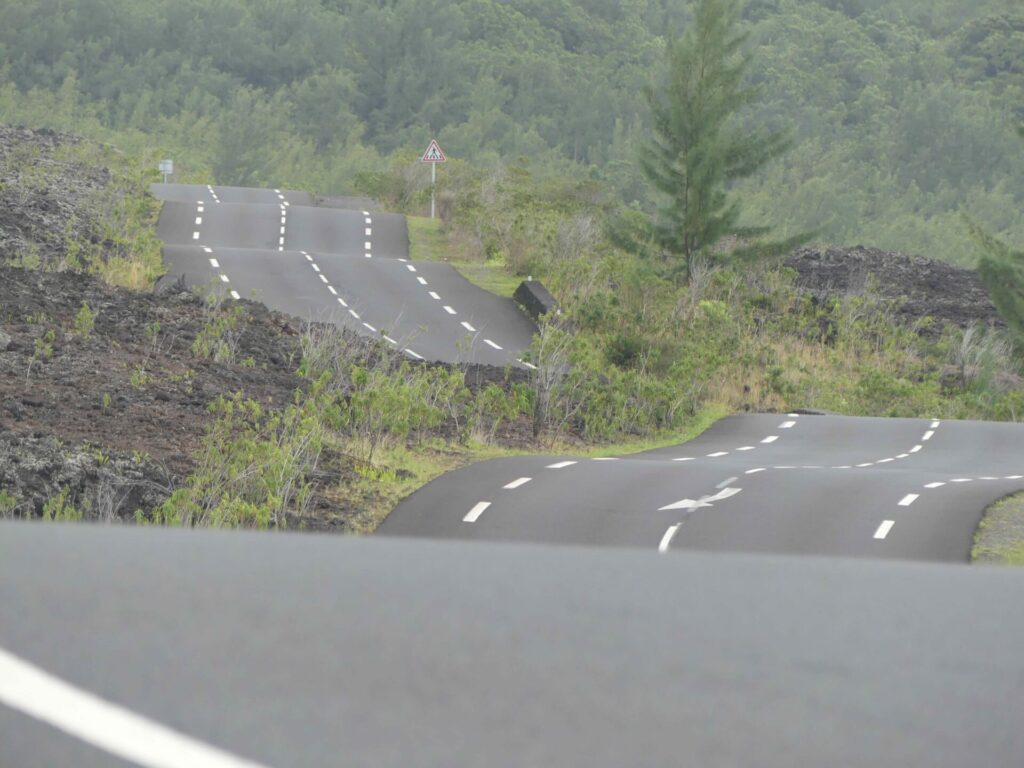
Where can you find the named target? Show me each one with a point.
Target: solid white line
(909, 499)
(755, 471)
(934, 485)
(717, 455)
(746, 448)
(235, 296)
(771, 439)
(884, 528)
(475, 512)
(421, 280)
(726, 482)
(214, 263)
(787, 425)
(449, 310)
(491, 343)
(412, 354)
(667, 538)
(434, 296)
(224, 279)
(516, 483)
(916, 448)
(928, 435)
(102, 724)
(560, 465)
(468, 327)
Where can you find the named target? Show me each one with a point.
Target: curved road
(294, 651)
(348, 267)
(821, 485)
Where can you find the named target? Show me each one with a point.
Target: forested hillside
(902, 110)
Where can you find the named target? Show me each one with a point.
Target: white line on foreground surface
(909, 499)
(787, 425)
(104, 725)
(884, 528)
(667, 538)
(560, 465)
(475, 512)
(770, 439)
(516, 483)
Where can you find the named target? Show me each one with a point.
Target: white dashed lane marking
(491, 343)
(770, 439)
(517, 483)
(666, 540)
(474, 514)
(884, 528)
(560, 465)
(909, 499)
(468, 327)
(421, 280)
(449, 310)
(434, 296)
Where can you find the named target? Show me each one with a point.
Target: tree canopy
(902, 109)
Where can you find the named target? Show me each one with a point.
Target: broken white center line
(475, 512)
(909, 499)
(214, 263)
(516, 483)
(449, 310)
(787, 425)
(468, 327)
(884, 528)
(934, 485)
(491, 343)
(770, 439)
(667, 538)
(717, 455)
(434, 296)
(421, 280)
(928, 435)
(560, 465)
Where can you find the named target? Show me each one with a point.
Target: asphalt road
(812, 485)
(293, 650)
(349, 267)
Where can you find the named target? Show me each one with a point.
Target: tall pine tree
(698, 146)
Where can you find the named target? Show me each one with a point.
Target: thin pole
(433, 182)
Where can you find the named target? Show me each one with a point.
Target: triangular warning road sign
(434, 153)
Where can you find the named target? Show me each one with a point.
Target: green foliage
(85, 321)
(8, 503)
(697, 148)
(218, 338)
(57, 509)
(1001, 269)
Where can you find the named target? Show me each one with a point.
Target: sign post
(166, 168)
(433, 155)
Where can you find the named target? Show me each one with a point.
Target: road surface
(817, 485)
(349, 267)
(293, 651)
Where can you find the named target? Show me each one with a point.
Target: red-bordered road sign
(434, 153)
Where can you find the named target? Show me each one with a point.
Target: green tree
(699, 147)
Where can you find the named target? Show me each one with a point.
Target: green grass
(1000, 537)
(428, 243)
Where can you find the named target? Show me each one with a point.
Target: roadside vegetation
(1000, 537)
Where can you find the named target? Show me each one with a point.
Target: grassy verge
(428, 243)
(1000, 537)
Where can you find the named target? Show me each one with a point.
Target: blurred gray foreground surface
(297, 650)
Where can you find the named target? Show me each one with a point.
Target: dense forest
(902, 111)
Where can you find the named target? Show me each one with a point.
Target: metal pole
(433, 181)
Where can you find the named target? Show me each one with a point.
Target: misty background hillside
(902, 110)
